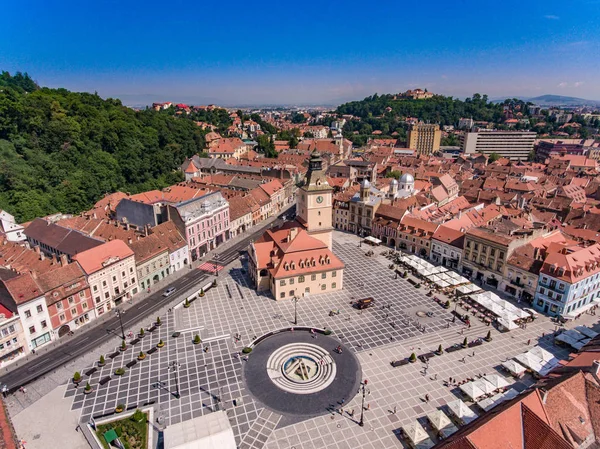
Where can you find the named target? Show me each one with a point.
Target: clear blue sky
(233, 52)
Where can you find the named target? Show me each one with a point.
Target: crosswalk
(210, 267)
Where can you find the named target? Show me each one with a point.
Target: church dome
(394, 182)
(407, 178)
(365, 184)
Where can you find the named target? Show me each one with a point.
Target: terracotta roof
(23, 288)
(93, 259)
(260, 196)
(450, 236)
(390, 212)
(271, 187)
(169, 235)
(576, 264)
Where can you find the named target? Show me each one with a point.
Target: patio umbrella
(542, 354)
(415, 432)
(514, 367)
(484, 386)
(439, 419)
(463, 413)
(472, 390)
(496, 380)
(530, 361)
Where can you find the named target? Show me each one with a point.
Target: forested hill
(438, 109)
(62, 151)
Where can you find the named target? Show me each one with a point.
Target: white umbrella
(472, 390)
(439, 420)
(460, 410)
(530, 361)
(514, 367)
(484, 386)
(496, 380)
(415, 432)
(542, 354)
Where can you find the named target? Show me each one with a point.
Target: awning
(514, 367)
(460, 410)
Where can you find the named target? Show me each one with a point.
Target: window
(323, 275)
(561, 286)
(131, 269)
(44, 324)
(123, 274)
(106, 295)
(71, 300)
(333, 274)
(39, 309)
(313, 277)
(84, 305)
(114, 279)
(95, 288)
(291, 292)
(97, 299)
(132, 280)
(323, 286)
(492, 252)
(27, 314)
(103, 283)
(62, 317)
(82, 294)
(73, 311)
(32, 329)
(307, 290)
(282, 295)
(282, 283)
(291, 281)
(333, 285)
(300, 279)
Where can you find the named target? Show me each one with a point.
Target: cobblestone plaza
(210, 374)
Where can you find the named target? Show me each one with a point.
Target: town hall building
(296, 259)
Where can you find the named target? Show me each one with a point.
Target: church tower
(315, 201)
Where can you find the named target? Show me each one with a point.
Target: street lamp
(175, 367)
(119, 313)
(295, 301)
(216, 266)
(362, 407)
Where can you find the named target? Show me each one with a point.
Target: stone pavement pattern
(211, 374)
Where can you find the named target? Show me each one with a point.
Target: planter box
(402, 362)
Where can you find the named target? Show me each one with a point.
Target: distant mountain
(559, 100)
(554, 100)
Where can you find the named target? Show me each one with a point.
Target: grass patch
(133, 434)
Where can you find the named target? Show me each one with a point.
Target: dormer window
(301, 264)
(286, 267)
(293, 266)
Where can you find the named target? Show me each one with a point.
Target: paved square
(210, 374)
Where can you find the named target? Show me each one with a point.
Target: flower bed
(133, 434)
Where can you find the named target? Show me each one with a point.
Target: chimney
(36, 248)
(64, 260)
(292, 234)
(54, 261)
(129, 240)
(33, 274)
(544, 395)
(42, 256)
(596, 370)
(127, 226)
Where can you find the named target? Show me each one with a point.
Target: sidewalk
(142, 295)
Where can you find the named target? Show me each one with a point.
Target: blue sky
(233, 52)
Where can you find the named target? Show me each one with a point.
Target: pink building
(204, 222)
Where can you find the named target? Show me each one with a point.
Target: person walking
(426, 398)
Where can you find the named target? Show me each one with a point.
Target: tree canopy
(62, 151)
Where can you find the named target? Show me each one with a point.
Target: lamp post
(295, 301)
(216, 266)
(119, 313)
(175, 367)
(362, 407)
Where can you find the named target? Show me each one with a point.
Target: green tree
(394, 174)
(493, 157)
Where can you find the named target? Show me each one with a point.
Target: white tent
(472, 390)
(541, 353)
(461, 412)
(586, 331)
(484, 386)
(514, 367)
(530, 361)
(496, 380)
(212, 431)
(417, 435)
(441, 423)
(507, 324)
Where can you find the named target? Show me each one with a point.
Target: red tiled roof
(91, 260)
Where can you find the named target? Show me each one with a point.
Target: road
(94, 336)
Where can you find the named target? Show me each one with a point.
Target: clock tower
(314, 201)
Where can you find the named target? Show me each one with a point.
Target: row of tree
(62, 151)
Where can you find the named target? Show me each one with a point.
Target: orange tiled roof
(91, 260)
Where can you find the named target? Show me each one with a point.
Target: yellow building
(296, 259)
(424, 138)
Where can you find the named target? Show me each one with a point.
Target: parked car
(169, 291)
(364, 303)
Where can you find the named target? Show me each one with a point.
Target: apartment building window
(282, 295)
(39, 309)
(123, 274)
(95, 288)
(97, 299)
(84, 305)
(131, 269)
(468, 243)
(300, 279)
(62, 317)
(323, 275)
(492, 252)
(282, 283)
(103, 283)
(132, 281)
(333, 285)
(333, 274)
(71, 300)
(44, 324)
(27, 314)
(106, 295)
(73, 311)
(313, 277)
(32, 329)
(82, 294)
(501, 254)
(291, 281)
(114, 279)
(476, 247)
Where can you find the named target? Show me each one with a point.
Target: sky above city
(278, 52)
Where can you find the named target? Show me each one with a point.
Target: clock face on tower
(319, 199)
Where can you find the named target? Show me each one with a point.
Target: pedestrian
(394, 409)
(435, 377)
(368, 406)
(473, 354)
(426, 398)
(528, 342)
(352, 413)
